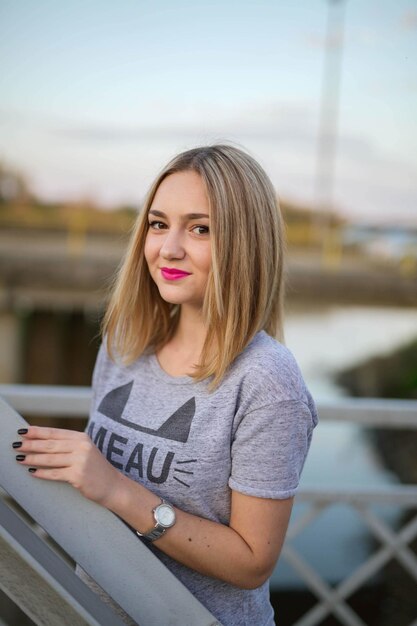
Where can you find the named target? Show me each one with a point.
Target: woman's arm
(243, 553)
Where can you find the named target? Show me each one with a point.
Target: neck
(191, 330)
(180, 355)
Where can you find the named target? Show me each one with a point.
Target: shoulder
(270, 356)
(107, 367)
(266, 361)
(268, 373)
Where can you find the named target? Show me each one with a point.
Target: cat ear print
(176, 427)
(113, 403)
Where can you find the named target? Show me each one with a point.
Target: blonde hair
(245, 288)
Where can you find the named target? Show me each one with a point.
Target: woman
(194, 400)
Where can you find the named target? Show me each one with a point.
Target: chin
(172, 298)
(178, 299)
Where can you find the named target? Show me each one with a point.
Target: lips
(173, 273)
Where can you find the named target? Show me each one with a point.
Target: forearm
(208, 547)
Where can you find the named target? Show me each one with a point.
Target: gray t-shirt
(192, 447)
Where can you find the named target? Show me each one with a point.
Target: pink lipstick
(173, 273)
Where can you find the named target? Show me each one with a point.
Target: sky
(98, 95)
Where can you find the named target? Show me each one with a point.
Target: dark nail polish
(22, 431)
(16, 444)
(20, 457)
(32, 469)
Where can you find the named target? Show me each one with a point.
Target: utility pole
(327, 140)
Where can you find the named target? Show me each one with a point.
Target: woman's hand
(69, 456)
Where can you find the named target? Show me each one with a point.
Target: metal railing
(105, 548)
(394, 544)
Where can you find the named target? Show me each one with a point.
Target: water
(324, 341)
(327, 339)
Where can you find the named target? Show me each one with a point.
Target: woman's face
(177, 246)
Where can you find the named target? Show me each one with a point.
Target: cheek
(206, 261)
(149, 250)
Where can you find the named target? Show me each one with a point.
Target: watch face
(166, 515)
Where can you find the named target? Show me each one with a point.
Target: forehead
(182, 191)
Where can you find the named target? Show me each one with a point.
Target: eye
(201, 230)
(156, 225)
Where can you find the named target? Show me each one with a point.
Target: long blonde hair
(245, 288)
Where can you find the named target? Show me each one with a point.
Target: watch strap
(157, 532)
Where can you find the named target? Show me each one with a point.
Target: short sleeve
(95, 379)
(98, 365)
(270, 447)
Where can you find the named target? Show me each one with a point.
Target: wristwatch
(164, 515)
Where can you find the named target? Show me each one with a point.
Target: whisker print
(183, 471)
(180, 481)
(189, 461)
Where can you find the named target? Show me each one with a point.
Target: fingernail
(32, 469)
(22, 431)
(20, 457)
(16, 444)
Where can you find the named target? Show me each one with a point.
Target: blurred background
(98, 95)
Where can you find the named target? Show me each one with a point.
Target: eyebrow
(188, 216)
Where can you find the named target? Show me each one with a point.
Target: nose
(172, 245)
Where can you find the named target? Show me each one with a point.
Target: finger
(47, 460)
(47, 445)
(50, 474)
(46, 432)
